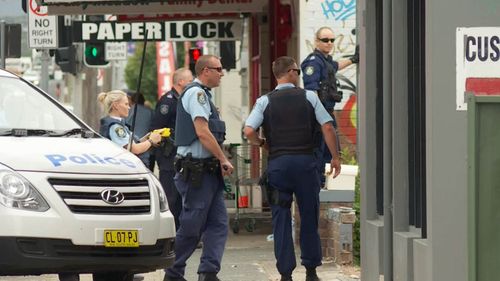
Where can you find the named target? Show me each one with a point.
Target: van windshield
(23, 107)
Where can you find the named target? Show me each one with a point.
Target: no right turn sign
(42, 28)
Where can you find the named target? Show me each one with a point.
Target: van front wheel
(113, 276)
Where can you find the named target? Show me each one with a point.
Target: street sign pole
(44, 78)
(2, 41)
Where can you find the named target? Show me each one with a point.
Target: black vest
(185, 133)
(106, 123)
(289, 122)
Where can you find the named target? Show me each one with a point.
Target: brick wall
(335, 224)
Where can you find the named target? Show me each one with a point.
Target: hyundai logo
(112, 196)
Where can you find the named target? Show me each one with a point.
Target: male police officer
(202, 163)
(164, 117)
(319, 75)
(288, 116)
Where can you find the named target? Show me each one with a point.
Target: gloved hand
(355, 58)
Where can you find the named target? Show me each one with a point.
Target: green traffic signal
(94, 55)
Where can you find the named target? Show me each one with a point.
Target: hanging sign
(220, 30)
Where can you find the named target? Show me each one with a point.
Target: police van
(71, 201)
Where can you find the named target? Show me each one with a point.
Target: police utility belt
(272, 194)
(192, 169)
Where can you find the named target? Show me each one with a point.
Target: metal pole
(387, 133)
(139, 80)
(2, 41)
(44, 76)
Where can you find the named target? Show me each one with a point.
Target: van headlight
(18, 193)
(161, 194)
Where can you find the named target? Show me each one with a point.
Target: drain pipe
(387, 135)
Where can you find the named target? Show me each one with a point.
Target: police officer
(113, 126)
(288, 116)
(319, 75)
(142, 122)
(164, 117)
(115, 104)
(199, 178)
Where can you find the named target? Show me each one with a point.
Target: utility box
(483, 187)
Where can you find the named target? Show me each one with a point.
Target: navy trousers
(295, 175)
(173, 197)
(203, 212)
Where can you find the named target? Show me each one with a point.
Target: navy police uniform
(116, 130)
(292, 169)
(164, 117)
(203, 208)
(315, 69)
(142, 123)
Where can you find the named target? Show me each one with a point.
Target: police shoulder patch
(309, 70)
(120, 132)
(201, 97)
(164, 109)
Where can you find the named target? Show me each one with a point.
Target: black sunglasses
(218, 69)
(326, 40)
(295, 69)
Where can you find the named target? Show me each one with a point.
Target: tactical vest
(185, 133)
(328, 89)
(106, 123)
(289, 122)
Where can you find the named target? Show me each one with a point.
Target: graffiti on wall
(338, 9)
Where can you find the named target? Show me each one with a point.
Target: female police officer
(115, 104)
(288, 115)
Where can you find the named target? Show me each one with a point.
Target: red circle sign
(35, 9)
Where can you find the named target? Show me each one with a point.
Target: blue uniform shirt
(196, 103)
(165, 111)
(119, 133)
(256, 117)
(315, 70)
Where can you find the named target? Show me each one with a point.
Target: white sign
(158, 31)
(478, 58)
(116, 51)
(42, 28)
(85, 7)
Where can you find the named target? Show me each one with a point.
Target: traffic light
(194, 55)
(66, 59)
(228, 54)
(94, 54)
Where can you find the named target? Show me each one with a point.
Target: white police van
(71, 201)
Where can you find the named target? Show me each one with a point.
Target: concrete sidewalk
(248, 257)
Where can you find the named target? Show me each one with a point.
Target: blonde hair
(107, 99)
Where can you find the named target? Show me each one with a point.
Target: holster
(167, 147)
(272, 194)
(192, 169)
(328, 92)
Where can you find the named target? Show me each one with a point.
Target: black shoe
(208, 276)
(286, 278)
(168, 278)
(311, 274)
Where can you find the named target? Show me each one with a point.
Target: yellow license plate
(121, 238)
